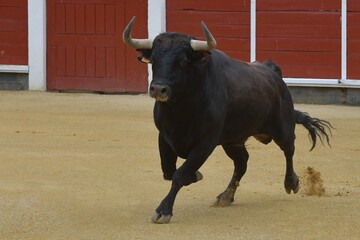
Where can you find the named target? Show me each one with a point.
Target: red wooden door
(14, 32)
(85, 49)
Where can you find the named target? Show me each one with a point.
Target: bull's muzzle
(160, 92)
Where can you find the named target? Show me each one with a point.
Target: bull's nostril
(152, 89)
(163, 91)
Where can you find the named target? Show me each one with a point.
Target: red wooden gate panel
(13, 32)
(353, 39)
(228, 21)
(85, 48)
(304, 37)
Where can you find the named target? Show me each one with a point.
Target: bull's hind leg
(291, 182)
(240, 157)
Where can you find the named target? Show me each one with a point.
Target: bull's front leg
(168, 159)
(185, 175)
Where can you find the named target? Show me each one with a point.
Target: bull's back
(256, 95)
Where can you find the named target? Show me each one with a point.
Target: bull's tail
(316, 127)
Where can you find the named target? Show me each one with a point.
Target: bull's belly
(237, 135)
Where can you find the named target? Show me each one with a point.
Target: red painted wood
(353, 66)
(353, 5)
(100, 62)
(12, 2)
(304, 37)
(80, 61)
(13, 32)
(353, 57)
(9, 25)
(206, 5)
(228, 21)
(70, 63)
(265, 30)
(92, 1)
(12, 50)
(241, 55)
(110, 19)
(16, 38)
(301, 58)
(233, 44)
(90, 62)
(219, 31)
(135, 73)
(305, 63)
(110, 59)
(13, 12)
(100, 19)
(299, 44)
(90, 18)
(70, 18)
(304, 18)
(321, 71)
(80, 18)
(210, 17)
(60, 13)
(60, 61)
(85, 48)
(294, 5)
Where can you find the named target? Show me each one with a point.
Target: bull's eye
(184, 62)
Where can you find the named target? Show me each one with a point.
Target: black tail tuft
(273, 66)
(315, 126)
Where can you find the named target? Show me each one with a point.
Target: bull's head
(174, 58)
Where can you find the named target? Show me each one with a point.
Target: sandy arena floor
(86, 166)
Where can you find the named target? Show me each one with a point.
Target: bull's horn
(207, 45)
(135, 43)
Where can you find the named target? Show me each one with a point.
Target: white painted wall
(156, 22)
(37, 44)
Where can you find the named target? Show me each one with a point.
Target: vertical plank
(353, 44)
(109, 19)
(110, 62)
(90, 18)
(13, 32)
(90, 62)
(60, 61)
(80, 18)
(80, 61)
(70, 18)
(100, 18)
(100, 62)
(60, 18)
(70, 61)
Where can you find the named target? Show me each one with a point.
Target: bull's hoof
(292, 185)
(198, 176)
(224, 199)
(160, 218)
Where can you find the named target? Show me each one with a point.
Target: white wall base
(14, 68)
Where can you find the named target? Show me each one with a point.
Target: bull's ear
(145, 55)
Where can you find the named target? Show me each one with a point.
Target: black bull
(204, 99)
